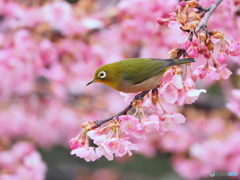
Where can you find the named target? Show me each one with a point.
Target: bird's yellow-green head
(106, 74)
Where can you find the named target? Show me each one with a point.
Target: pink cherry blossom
(98, 136)
(170, 89)
(220, 72)
(182, 135)
(131, 125)
(234, 48)
(101, 151)
(57, 14)
(115, 146)
(204, 71)
(189, 168)
(75, 143)
(47, 52)
(127, 97)
(189, 82)
(221, 58)
(181, 35)
(177, 81)
(209, 153)
(169, 121)
(119, 147)
(181, 96)
(162, 21)
(151, 123)
(88, 153)
(22, 161)
(167, 76)
(192, 51)
(169, 92)
(192, 95)
(148, 104)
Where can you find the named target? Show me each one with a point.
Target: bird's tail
(183, 61)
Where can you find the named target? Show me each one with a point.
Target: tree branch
(204, 21)
(123, 112)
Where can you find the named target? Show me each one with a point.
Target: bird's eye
(102, 74)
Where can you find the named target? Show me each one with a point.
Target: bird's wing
(146, 69)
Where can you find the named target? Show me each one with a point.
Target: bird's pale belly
(148, 84)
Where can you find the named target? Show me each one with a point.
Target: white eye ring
(102, 74)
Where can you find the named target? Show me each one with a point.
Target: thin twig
(123, 112)
(204, 21)
(202, 9)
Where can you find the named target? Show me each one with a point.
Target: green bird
(136, 74)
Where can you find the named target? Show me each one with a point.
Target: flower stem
(204, 21)
(123, 112)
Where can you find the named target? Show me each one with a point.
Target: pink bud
(74, 143)
(234, 48)
(207, 55)
(183, 3)
(221, 58)
(192, 51)
(186, 45)
(162, 21)
(173, 15)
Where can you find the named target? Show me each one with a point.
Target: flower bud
(137, 103)
(221, 58)
(90, 125)
(207, 55)
(173, 53)
(189, 26)
(202, 49)
(154, 96)
(202, 36)
(177, 70)
(183, 3)
(217, 34)
(192, 4)
(182, 18)
(162, 21)
(194, 15)
(210, 45)
(192, 51)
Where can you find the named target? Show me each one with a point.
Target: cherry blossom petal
(87, 153)
(192, 95)
(177, 81)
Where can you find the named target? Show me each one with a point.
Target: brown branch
(204, 21)
(123, 112)
(202, 9)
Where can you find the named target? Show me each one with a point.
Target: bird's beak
(92, 81)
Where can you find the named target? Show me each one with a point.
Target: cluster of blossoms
(197, 40)
(113, 139)
(174, 88)
(22, 161)
(205, 143)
